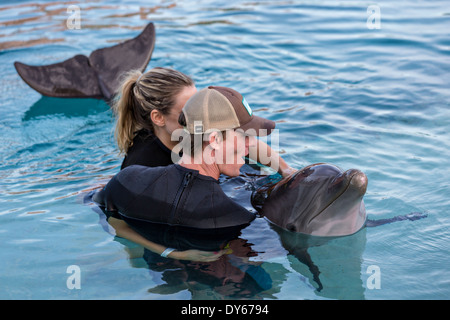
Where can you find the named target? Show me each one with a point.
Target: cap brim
(258, 126)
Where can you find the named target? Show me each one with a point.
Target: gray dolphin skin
(96, 76)
(318, 200)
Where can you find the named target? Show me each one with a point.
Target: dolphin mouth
(359, 180)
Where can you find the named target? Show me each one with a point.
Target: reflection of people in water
(147, 112)
(233, 275)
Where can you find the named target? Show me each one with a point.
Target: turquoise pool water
(341, 92)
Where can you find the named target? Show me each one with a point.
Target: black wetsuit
(147, 150)
(171, 195)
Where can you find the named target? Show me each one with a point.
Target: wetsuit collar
(196, 173)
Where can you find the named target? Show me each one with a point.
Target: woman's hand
(265, 155)
(196, 255)
(286, 172)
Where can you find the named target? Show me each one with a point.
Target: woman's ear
(157, 118)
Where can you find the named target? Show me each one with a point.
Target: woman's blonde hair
(139, 95)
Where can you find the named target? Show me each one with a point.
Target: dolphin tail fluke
(411, 216)
(134, 54)
(95, 77)
(71, 78)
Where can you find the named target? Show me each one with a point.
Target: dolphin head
(319, 199)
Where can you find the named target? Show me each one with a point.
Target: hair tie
(139, 79)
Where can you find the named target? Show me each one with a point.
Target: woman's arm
(265, 155)
(123, 230)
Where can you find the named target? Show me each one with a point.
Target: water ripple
(376, 100)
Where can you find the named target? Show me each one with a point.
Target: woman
(147, 114)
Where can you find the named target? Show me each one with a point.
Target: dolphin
(320, 200)
(322, 206)
(96, 76)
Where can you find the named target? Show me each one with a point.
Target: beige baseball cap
(222, 108)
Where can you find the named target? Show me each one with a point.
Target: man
(188, 193)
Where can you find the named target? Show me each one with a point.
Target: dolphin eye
(306, 173)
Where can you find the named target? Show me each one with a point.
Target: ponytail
(124, 108)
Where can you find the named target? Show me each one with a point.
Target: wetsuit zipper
(187, 178)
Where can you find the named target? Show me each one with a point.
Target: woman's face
(171, 119)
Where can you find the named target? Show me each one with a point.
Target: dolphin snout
(358, 180)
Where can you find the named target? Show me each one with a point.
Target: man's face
(231, 151)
